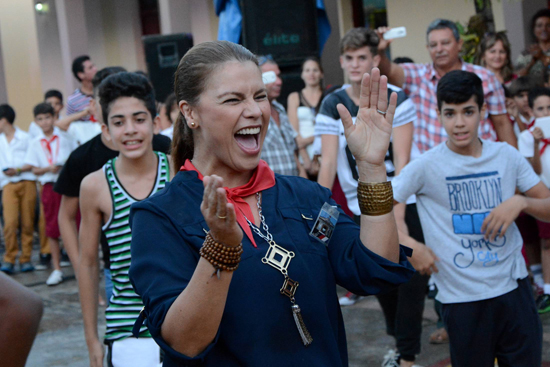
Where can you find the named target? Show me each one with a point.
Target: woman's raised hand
(219, 214)
(369, 138)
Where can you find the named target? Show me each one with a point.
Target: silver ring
(381, 112)
(221, 217)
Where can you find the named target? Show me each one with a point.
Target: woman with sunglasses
(223, 257)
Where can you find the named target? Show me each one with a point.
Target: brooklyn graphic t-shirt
(454, 195)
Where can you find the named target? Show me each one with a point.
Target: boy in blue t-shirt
(467, 204)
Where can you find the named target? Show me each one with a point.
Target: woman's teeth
(250, 131)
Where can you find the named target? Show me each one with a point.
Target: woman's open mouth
(248, 139)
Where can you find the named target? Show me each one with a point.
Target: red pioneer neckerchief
(545, 143)
(47, 147)
(262, 179)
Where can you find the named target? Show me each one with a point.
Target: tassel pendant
(302, 329)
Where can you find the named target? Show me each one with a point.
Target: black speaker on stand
(285, 29)
(162, 55)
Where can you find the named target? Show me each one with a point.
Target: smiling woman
(218, 255)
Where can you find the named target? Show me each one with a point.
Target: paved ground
(61, 343)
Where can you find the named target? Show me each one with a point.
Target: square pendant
(278, 257)
(289, 287)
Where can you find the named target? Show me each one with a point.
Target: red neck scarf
(262, 179)
(545, 143)
(47, 146)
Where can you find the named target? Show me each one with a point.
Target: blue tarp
(230, 25)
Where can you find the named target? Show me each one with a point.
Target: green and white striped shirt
(125, 304)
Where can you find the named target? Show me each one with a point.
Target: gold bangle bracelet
(375, 198)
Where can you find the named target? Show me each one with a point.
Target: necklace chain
(268, 237)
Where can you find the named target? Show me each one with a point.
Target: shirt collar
(279, 107)
(19, 134)
(433, 75)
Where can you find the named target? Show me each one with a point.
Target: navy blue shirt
(257, 327)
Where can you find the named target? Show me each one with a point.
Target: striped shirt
(77, 102)
(124, 305)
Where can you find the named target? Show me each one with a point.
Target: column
(20, 58)
(73, 36)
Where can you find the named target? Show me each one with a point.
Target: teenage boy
(18, 192)
(465, 190)
(533, 145)
(358, 55)
(46, 155)
(128, 104)
(86, 159)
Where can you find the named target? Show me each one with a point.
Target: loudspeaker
(162, 55)
(286, 29)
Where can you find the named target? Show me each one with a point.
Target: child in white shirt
(18, 193)
(533, 145)
(46, 155)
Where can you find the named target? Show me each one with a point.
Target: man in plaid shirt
(279, 149)
(420, 83)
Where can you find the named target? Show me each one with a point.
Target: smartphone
(395, 33)
(544, 124)
(269, 77)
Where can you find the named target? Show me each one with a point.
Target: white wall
(416, 15)
(96, 35)
(21, 60)
(49, 46)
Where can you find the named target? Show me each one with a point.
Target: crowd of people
(197, 209)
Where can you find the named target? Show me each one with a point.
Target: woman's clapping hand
(219, 214)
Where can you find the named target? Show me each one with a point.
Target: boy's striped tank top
(125, 304)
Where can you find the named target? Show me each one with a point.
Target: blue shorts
(506, 327)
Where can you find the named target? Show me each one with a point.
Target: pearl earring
(192, 124)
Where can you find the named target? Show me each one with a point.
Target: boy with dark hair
(128, 108)
(83, 131)
(86, 159)
(18, 192)
(84, 71)
(46, 155)
(466, 194)
(533, 145)
(521, 113)
(358, 55)
(55, 99)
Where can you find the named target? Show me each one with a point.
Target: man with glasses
(280, 150)
(420, 83)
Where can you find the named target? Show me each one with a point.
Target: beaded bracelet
(221, 256)
(375, 198)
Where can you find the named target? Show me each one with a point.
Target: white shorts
(132, 352)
